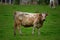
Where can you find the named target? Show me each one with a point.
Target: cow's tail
(14, 14)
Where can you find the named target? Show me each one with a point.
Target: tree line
(28, 1)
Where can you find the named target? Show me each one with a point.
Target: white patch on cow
(43, 16)
(30, 15)
(26, 14)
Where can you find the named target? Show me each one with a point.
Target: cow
(34, 20)
(52, 3)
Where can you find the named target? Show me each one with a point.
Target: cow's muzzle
(44, 20)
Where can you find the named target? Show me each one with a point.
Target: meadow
(49, 31)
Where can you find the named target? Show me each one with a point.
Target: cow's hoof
(39, 34)
(32, 34)
(14, 34)
(21, 34)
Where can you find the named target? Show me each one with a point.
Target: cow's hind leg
(19, 29)
(15, 27)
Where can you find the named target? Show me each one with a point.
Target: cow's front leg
(38, 31)
(33, 30)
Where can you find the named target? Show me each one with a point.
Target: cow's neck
(41, 22)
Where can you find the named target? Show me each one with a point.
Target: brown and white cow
(26, 19)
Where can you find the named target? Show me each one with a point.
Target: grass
(49, 31)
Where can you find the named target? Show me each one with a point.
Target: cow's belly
(27, 25)
(27, 21)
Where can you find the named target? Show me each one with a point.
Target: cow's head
(43, 16)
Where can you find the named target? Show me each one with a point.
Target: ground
(49, 31)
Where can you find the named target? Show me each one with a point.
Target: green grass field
(49, 31)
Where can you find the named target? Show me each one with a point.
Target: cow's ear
(46, 14)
